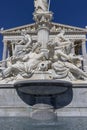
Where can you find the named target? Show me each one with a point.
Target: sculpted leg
(16, 68)
(75, 70)
(6, 72)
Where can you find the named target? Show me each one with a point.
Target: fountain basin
(43, 87)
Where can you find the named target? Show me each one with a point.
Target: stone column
(43, 37)
(43, 27)
(84, 53)
(8, 53)
(13, 50)
(4, 53)
(73, 48)
(73, 51)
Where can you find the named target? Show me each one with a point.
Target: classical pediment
(54, 28)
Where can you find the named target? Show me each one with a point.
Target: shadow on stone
(63, 99)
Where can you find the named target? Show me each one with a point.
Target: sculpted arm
(40, 56)
(26, 57)
(60, 53)
(20, 43)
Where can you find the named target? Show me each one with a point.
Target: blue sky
(15, 13)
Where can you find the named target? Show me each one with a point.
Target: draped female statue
(41, 6)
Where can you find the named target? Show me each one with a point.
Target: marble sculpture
(31, 62)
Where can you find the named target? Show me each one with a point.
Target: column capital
(43, 17)
(4, 41)
(84, 40)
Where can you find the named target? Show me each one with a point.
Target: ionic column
(13, 49)
(73, 50)
(4, 53)
(84, 53)
(8, 53)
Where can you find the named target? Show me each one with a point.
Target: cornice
(54, 29)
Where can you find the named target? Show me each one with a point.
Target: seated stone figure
(64, 67)
(64, 63)
(26, 66)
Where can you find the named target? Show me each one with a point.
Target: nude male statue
(24, 45)
(61, 43)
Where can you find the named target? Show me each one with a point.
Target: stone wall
(72, 103)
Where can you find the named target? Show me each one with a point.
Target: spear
(49, 5)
